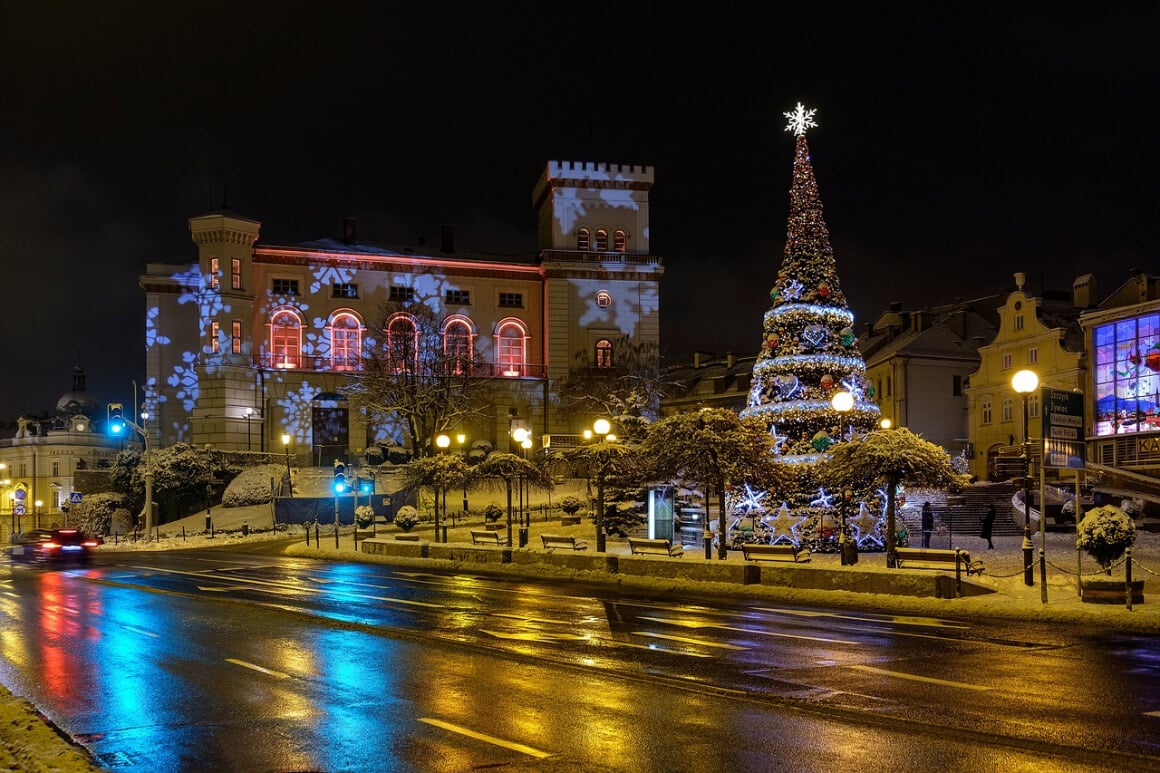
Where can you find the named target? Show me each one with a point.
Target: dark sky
(953, 147)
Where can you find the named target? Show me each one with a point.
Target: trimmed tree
(889, 457)
(503, 469)
(604, 458)
(712, 449)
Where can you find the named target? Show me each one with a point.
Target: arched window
(402, 344)
(345, 341)
(583, 240)
(457, 345)
(604, 353)
(601, 240)
(619, 241)
(286, 339)
(511, 337)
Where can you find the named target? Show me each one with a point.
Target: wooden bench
(756, 551)
(654, 547)
(487, 538)
(933, 558)
(552, 541)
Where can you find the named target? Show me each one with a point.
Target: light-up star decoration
(823, 500)
(793, 290)
(778, 440)
(800, 119)
(784, 526)
(866, 527)
(751, 501)
(854, 387)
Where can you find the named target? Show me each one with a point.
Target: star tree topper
(800, 119)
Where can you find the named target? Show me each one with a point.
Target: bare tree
(627, 387)
(420, 375)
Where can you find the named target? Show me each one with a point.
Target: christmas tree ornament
(846, 336)
(827, 381)
(821, 440)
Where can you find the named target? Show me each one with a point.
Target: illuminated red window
(457, 346)
(583, 240)
(604, 353)
(601, 240)
(214, 345)
(510, 348)
(214, 270)
(619, 241)
(402, 344)
(345, 343)
(286, 340)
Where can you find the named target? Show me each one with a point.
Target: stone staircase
(962, 515)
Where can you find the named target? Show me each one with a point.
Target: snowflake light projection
(184, 379)
(785, 526)
(152, 336)
(800, 119)
(297, 407)
(326, 276)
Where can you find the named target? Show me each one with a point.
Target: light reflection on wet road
(212, 659)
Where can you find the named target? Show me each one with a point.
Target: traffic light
(339, 477)
(116, 419)
(366, 486)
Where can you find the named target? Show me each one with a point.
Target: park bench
(654, 547)
(552, 541)
(756, 551)
(487, 538)
(933, 558)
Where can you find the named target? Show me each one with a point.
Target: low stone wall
(805, 577)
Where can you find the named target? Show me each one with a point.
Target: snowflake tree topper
(800, 119)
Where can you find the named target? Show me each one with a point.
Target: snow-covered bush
(252, 486)
(365, 515)
(96, 513)
(397, 455)
(406, 517)
(571, 505)
(1105, 533)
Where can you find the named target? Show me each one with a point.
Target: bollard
(708, 545)
(183, 532)
(245, 529)
(1128, 577)
(307, 535)
(209, 526)
(958, 573)
(523, 536)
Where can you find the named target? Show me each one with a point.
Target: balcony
(267, 361)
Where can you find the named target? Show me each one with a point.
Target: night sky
(953, 149)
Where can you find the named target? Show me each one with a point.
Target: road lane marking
(689, 640)
(915, 678)
(532, 619)
(254, 667)
(718, 626)
(534, 635)
(901, 619)
(519, 747)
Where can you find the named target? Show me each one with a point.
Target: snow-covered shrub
(571, 505)
(1105, 533)
(365, 515)
(406, 517)
(96, 512)
(252, 486)
(397, 455)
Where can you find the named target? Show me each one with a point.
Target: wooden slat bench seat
(783, 551)
(487, 538)
(552, 541)
(933, 558)
(639, 546)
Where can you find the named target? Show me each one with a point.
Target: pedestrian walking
(988, 523)
(927, 524)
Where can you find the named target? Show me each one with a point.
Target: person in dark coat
(988, 523)
(927, 524)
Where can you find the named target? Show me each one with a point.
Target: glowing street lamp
(843, 403)
(1024, 383)
(601, 428)
(286, 444)
(249, 412)
(886, 424)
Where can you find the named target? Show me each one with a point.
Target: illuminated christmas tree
(808, 348)
(808, 354)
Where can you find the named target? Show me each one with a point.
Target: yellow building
(1039, 334)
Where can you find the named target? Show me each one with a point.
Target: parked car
(54, 547)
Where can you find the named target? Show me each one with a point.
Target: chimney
(348, 230)
(448, 238)
(1020, 280)
(896, 306)
(730, 359)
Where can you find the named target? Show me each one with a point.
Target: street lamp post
(843, 403)
(286, 445)
(249, 412)
(442, 442)
(38, 505)
(1024, 383)
(462, 440)
(601, 428)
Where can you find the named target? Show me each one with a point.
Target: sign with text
(1063, 429)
